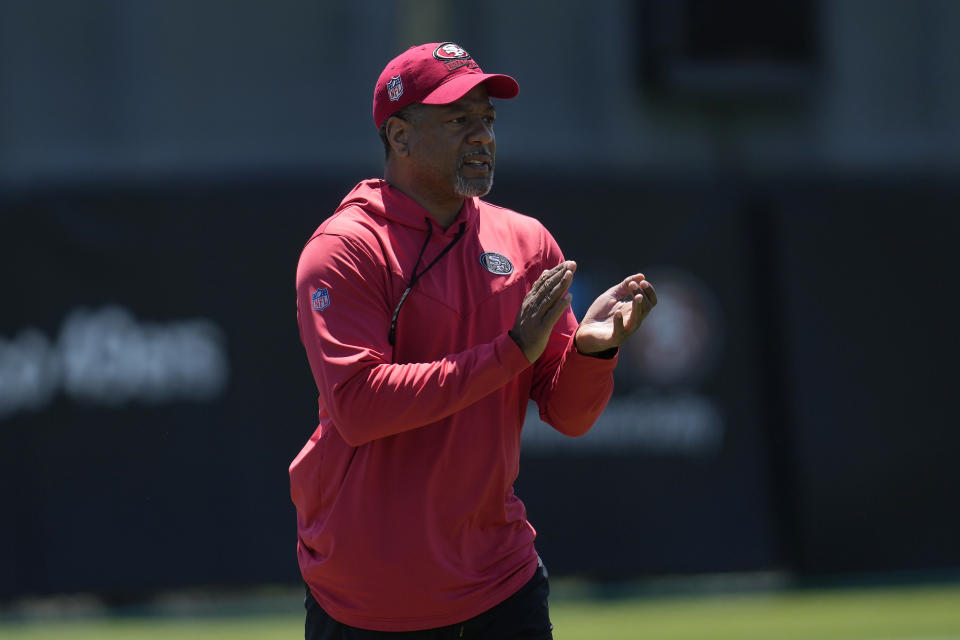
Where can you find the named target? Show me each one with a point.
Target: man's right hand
(542, 307)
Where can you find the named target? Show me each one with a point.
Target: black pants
(522, 616)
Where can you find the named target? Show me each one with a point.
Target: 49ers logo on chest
(496, 263)
(453, 56)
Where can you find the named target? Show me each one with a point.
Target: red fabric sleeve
(366, 395)
(570, 389)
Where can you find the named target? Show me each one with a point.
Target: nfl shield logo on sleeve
(394, 88)
(321, 299)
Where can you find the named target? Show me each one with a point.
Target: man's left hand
(615, 315)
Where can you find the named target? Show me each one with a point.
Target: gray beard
(473, 187)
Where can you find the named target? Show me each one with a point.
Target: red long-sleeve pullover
(404, 493)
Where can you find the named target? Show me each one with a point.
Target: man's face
(452, 146)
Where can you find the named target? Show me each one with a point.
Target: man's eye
(458, 120)
(489, 119)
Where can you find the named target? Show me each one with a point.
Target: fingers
(551, 286)
(549, 274)
(633, 286)
(626, 287)
(618, 328)
(554, 291)
(637, 313)
(557, 310)
(644, 301)
(649, 293)
(543, 305)
(643, 298)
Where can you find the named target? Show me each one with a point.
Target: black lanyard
(416, 276)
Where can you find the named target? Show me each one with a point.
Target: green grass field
(927, 613)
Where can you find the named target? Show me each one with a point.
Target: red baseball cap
(434, 73)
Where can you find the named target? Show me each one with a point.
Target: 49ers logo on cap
(453, 56)
(450, 51)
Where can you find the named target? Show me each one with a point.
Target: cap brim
(498, 86)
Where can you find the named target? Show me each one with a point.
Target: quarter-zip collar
(378, 197)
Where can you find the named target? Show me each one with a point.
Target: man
(430, 318)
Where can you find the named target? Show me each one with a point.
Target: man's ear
(397, 131)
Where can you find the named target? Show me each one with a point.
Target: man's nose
(482, 133)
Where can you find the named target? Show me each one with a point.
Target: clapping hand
(542, 307)
(615, 315)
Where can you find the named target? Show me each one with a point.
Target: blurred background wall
(785, 172)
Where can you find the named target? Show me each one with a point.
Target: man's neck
(442, 209)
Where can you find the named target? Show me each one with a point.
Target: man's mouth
(482, 163)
